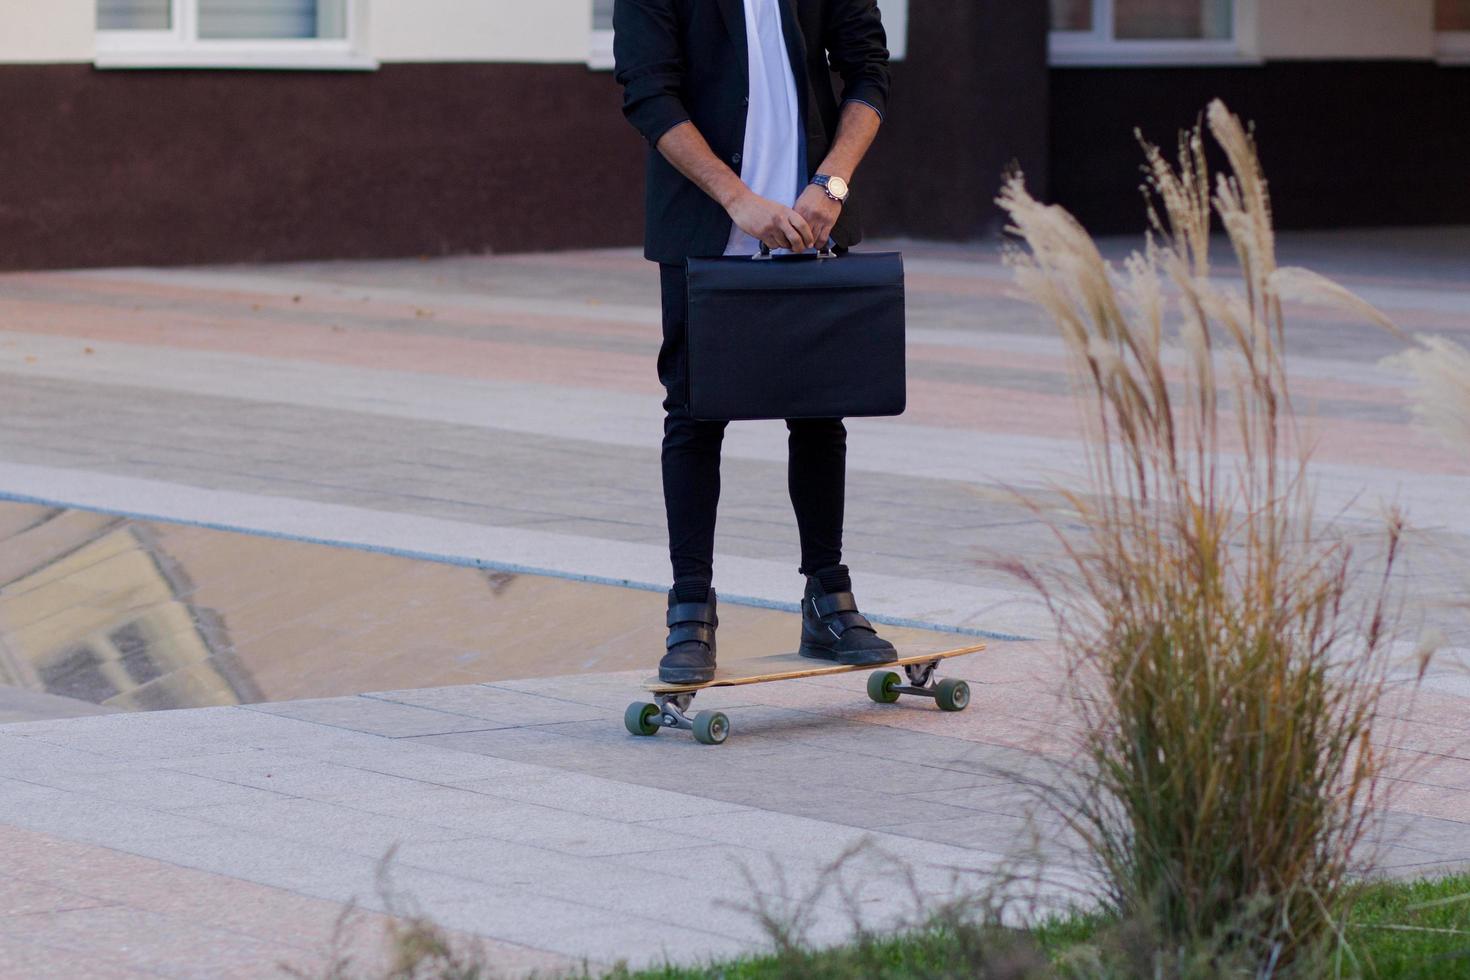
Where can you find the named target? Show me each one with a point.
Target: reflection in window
(1149, 20)
(1071, 15)
(134, 15)
(77, 673)
(602, 15)
(230, 20)
(132, 649)
(272, 19)
(1164, 19)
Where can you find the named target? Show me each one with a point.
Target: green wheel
(639, 718)
(952, 695)
(881, 686)
(711, 728)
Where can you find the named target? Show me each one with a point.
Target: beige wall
(1345, 28)
(397, 30)
(46, 30)
(479, 30)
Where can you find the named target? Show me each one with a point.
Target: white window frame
(600, 48)
(181, 47)
(1099, 48)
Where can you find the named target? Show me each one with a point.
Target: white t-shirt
(770, 163)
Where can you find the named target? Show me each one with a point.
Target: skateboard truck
(671, 711)
(884, 686)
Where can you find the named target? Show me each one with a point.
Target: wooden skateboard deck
(789, 666)
(712, 727)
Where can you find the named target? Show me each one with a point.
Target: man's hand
(820, 212)
(772, 223)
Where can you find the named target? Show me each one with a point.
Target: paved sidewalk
(501, 413)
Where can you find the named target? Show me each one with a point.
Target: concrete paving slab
(87, 818)
(300, 777)
(374, 716)
(317, 822)
(581, 793)
(486, 703)
(238, 916)
(162, 788)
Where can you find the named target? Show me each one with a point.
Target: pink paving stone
(143, 313)
(96, 905)
(447, 312)
(19, 896)
(321, 298)
(1427, 800)
(28, 958)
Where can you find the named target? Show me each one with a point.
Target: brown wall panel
(1344, 143)
(123, 167)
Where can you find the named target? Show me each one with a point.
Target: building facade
(193, 131)
(1361, 107)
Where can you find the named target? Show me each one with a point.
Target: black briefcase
(796, 336)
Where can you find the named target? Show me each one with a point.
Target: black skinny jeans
(816, 469)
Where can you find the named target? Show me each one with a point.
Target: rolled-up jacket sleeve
(649, 65)
(857, 48)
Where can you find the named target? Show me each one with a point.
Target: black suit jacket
(681, 60)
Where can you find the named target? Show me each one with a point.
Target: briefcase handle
(764, 255)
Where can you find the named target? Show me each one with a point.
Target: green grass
(1417, 929)
(1397, 931)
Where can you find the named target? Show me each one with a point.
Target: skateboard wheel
(639, 718)
(882, 686)
(952, 695)
(711, 728)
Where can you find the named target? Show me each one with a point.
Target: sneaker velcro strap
(692, 612)
(850, 620)
(687, 631)
(835, 602)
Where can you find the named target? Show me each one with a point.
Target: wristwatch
(835, 187)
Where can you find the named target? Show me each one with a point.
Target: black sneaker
(691, 644)
(833, 629)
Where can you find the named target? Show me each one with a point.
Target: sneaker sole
(831, 656)
(686, 676)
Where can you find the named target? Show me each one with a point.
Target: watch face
(837, 186)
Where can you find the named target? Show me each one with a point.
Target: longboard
(672, 701)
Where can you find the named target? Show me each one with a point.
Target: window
(1452, 30)
(230, 34)
(895, 20)
(601, 54)
(1123, 32)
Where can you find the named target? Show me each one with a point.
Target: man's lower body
(832, 627)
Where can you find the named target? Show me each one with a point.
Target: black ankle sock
(691, 592)
(834, 579)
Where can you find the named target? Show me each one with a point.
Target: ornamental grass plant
(1441, 397)
(1227, 651)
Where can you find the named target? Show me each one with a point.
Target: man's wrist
(731, 192)
(836, 171)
